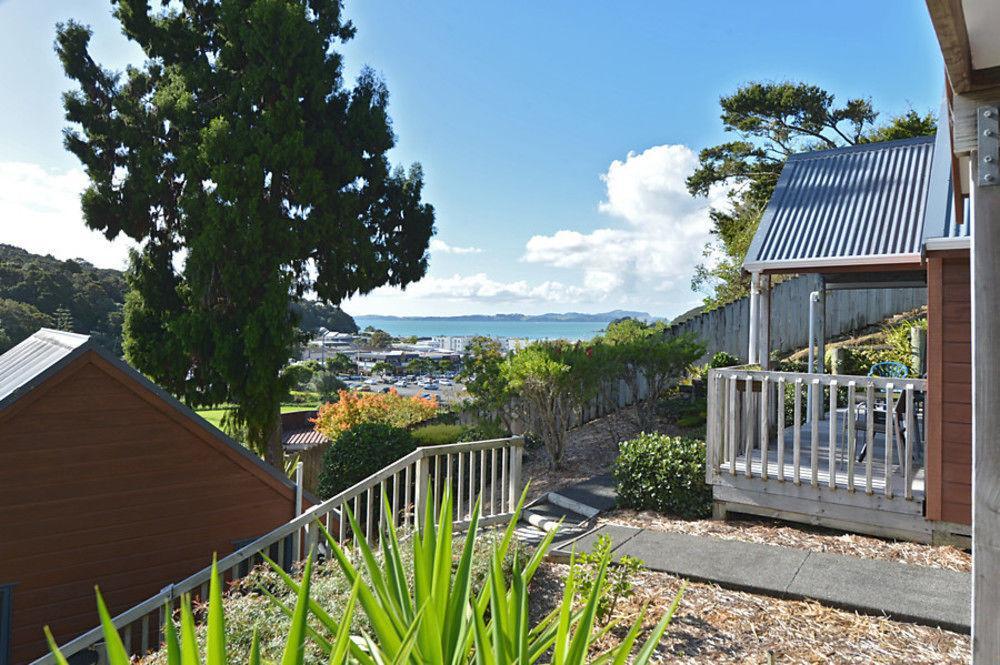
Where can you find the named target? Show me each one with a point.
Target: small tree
(341, 364)
(555, 379)
(326, 384)
(379, 339)
(484, 380)
(649, 361)
(421, 366)
(382, 367)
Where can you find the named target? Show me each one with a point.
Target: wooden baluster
(797, 431)
(127, 639)
(437, 485)
(852, 434)
(890, 436)
(448, 484)
(342, 522)
(733, 414)
(817, 395)
(493, 481)
(482, 482)
(145, 634)
(781, 428)
(368, 515)
(380, 501)
(869, 435)
(395, 498)
(459, 506)
(504, 480)
(472, 482)
(357, 518)
(911, 431)
(765, 388)
(408, 512)
(748, 398)
(832, 437)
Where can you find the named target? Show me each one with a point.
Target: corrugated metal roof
(302, 438)
(945, 225)
(845, 206)
(28, 361)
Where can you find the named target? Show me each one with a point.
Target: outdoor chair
(889, 369)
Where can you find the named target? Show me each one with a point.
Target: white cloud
(441, 247)
(661, 240)
(464, 294)
(40, 211)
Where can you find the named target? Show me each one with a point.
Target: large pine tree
(250, 175)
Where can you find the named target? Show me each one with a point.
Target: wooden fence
(727, 328)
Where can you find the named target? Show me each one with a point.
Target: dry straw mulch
(715, 625)
(816, 539)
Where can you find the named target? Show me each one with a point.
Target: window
(6, 614)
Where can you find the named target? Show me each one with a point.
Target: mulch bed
(816, 539)
(715, 625)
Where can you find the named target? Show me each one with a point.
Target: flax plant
(427, 614)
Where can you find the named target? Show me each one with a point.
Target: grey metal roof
(848, 206)
(940, 222)
(30, 361)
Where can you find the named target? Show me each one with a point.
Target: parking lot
(445, 393)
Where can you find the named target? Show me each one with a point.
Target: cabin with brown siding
(107, 480)
(949, 377)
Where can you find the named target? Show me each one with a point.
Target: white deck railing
(486, 470)
(757, 421)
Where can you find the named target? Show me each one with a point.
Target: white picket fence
(488, 471)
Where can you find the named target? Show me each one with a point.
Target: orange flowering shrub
(391, 408)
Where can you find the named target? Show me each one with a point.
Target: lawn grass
(214, 415)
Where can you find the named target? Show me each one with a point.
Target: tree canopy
(772, 121)
(251, 175)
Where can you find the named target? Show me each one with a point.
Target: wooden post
(985, 203)
(764, 323)
(516, 453)
(754, 327)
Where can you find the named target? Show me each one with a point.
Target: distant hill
(42, 291)
(582, 317)
(314, 315)
(37, 291)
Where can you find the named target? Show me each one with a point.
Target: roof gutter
(832, 262)
(942, 244)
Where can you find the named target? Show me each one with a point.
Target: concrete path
(905, 592)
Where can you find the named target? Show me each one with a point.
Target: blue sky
(554, 136)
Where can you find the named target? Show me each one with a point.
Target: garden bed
(816, 539)
(591, 450)
(715, 625)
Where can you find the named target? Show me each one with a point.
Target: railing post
(514, 491)
(420, 491)
(296, 544)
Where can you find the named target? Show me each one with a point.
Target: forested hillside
(38, 291)
(42, 291)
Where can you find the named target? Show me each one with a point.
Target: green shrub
(663, 473)
(484, 431)
(438, 435)
(360, 451)
(723, 359)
